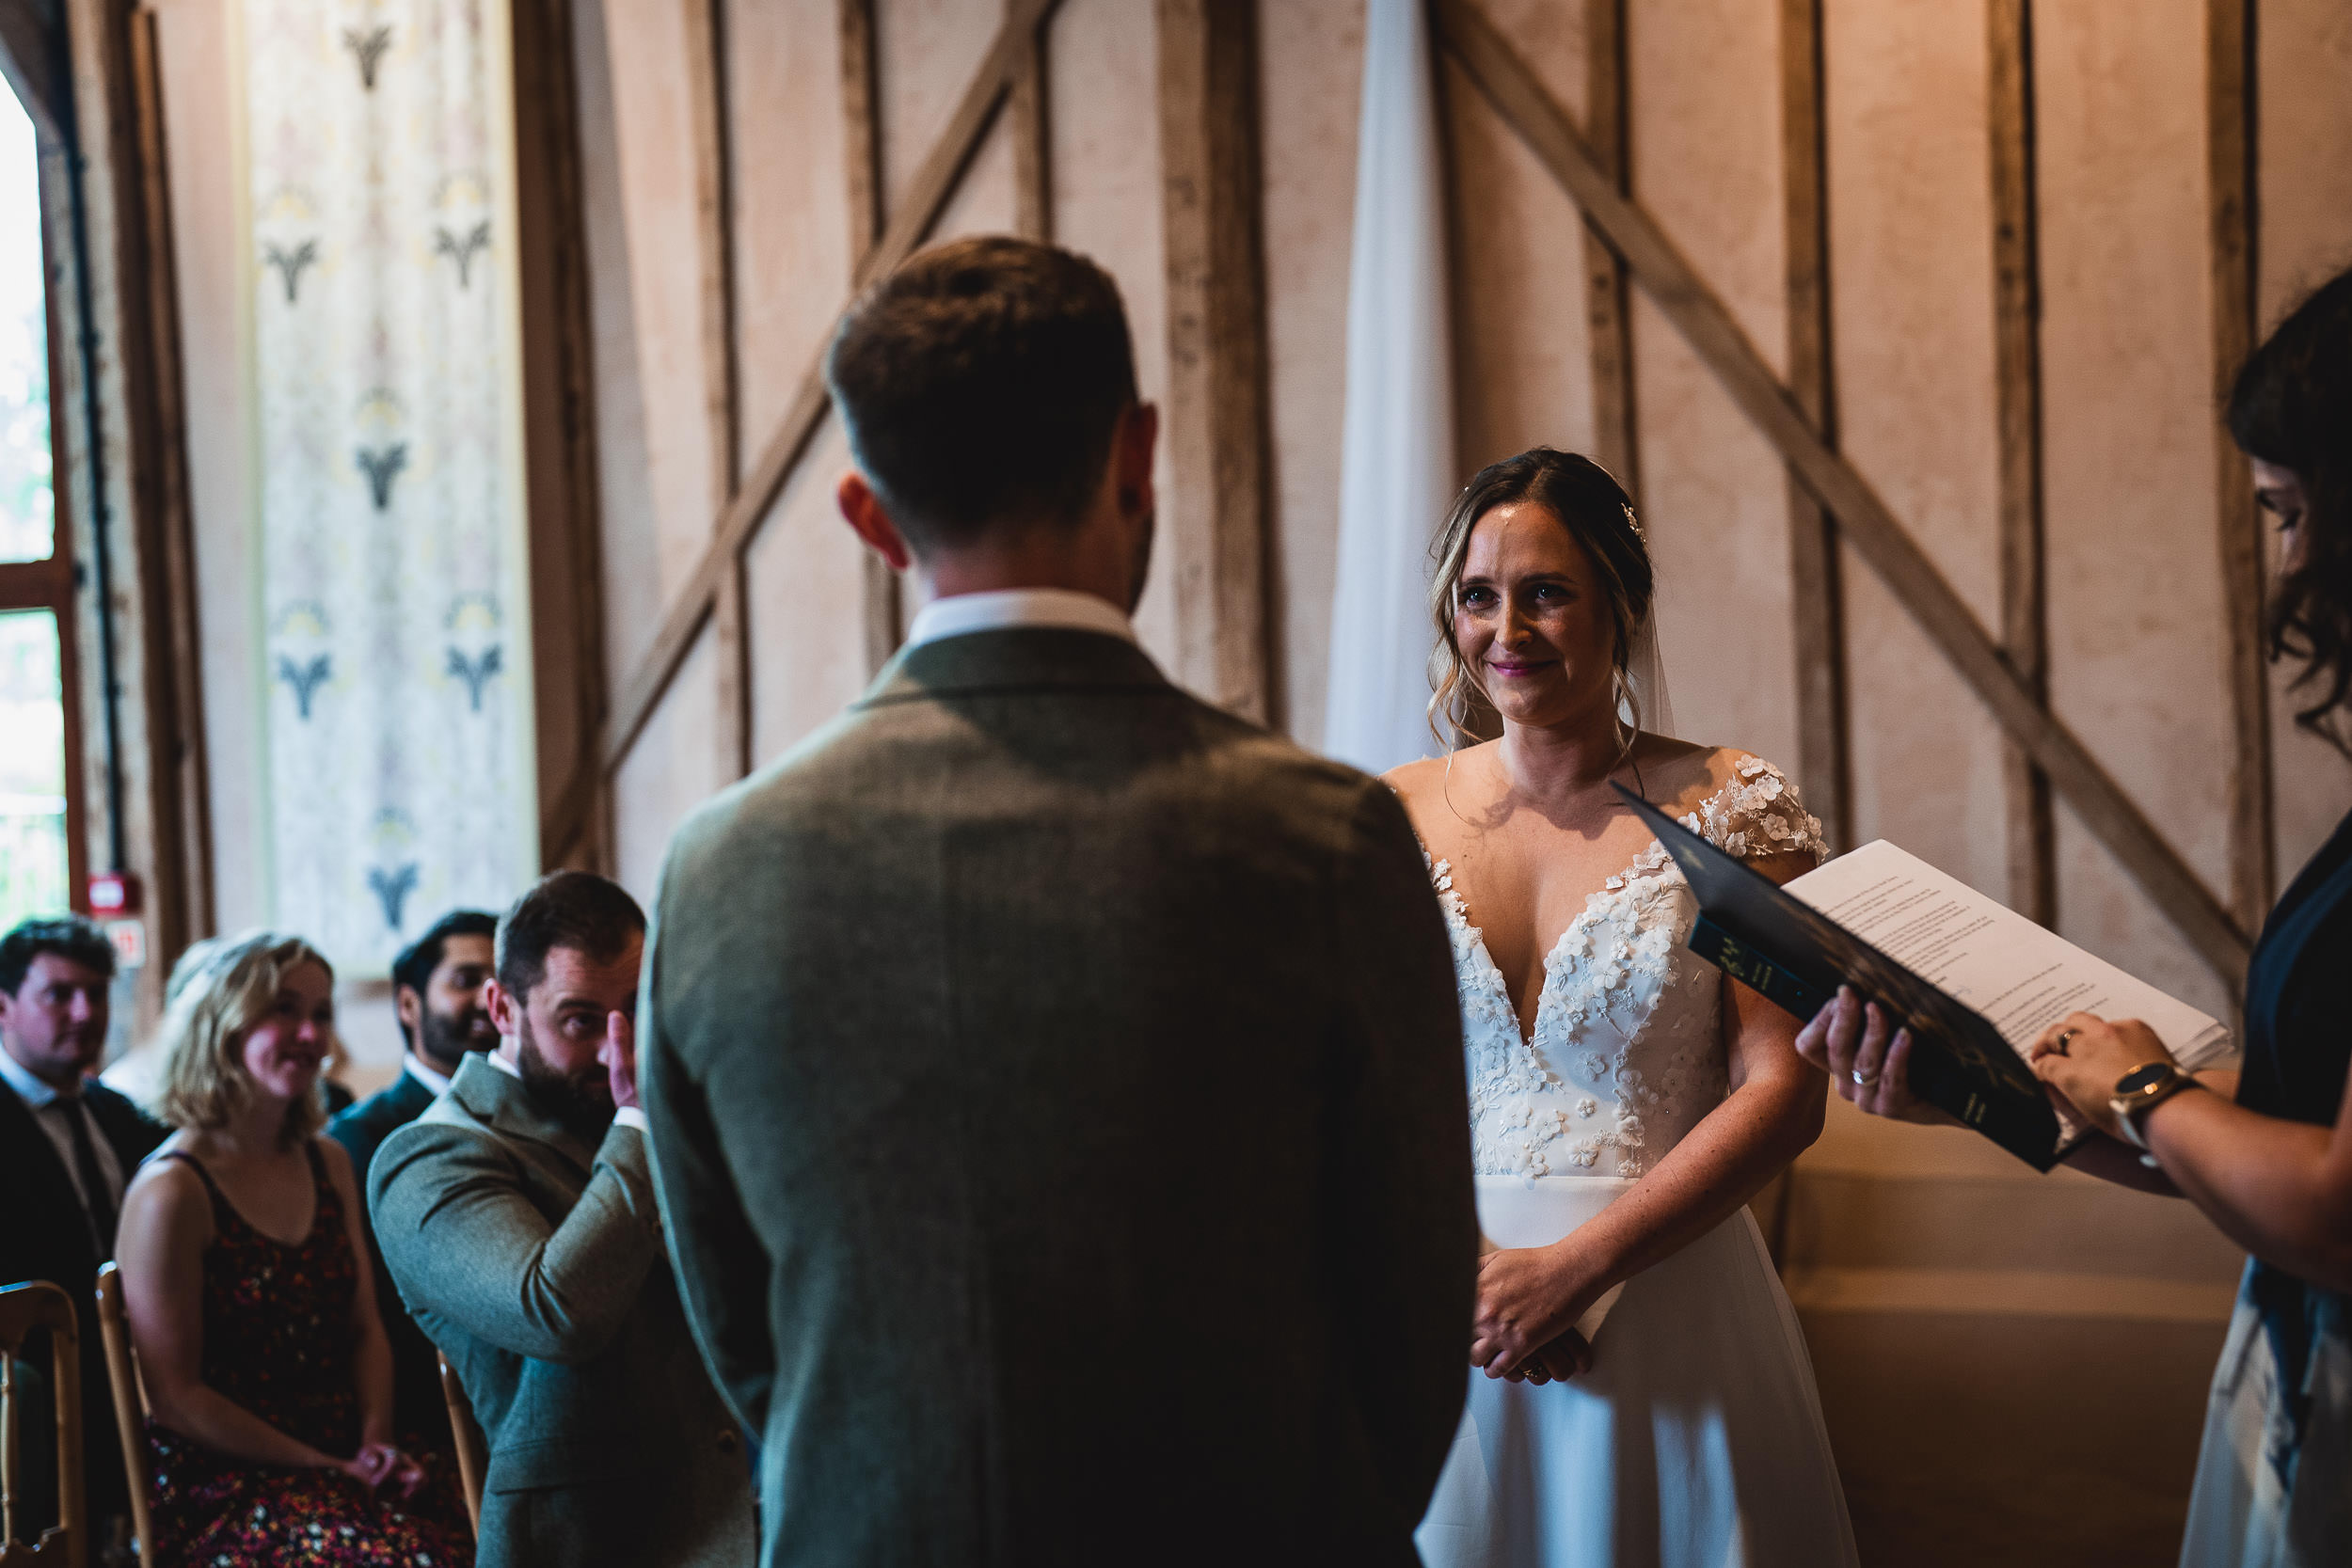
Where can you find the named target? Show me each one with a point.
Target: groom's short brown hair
(980, 383)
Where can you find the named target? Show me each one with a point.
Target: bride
(1640, 1393)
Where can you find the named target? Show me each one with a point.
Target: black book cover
(1797, 957)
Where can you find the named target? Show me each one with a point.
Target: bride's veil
(1649, 706)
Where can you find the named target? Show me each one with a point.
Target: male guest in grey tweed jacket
(1055, 1082)
(518, 1217)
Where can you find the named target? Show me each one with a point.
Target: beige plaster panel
(2139, 657)
(1522, 352)
(1550, 38)
(2306, 211)
(653, 119)
(673, 768)
(984, 199)
(1104, 125)
(791, 216)
(205, 131)
(1705, 104)
(630, 546)
(925, 53)
(807, 582)
(1910, 241)
(1310, 61)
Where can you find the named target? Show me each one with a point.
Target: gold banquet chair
(130, 1396)
(467, 1433)
(23, 1310)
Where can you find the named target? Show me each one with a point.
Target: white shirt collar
(497, 1060)
(960, 614)
(29, 1088)
(413, 1065)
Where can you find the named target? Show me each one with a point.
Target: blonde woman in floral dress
(250, 1305)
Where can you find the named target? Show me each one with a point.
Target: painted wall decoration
(395, 638)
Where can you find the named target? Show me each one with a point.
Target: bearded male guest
(437, 986)
(517, 1218)
(1057, 1081)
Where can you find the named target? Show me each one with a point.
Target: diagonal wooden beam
(683, 620)
(1683, 297)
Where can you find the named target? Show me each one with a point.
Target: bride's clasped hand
(1529, 1300)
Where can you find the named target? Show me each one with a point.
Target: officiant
(2266, 1152)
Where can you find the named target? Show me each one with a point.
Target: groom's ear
(866, 517)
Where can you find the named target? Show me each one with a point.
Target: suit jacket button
(727, 1441)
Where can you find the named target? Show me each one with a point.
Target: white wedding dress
(1696, 1440)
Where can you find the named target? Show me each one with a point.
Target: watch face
(2141, 1079)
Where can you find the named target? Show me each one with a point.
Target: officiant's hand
(1847, 1039)
(1529, 1298)
(2083, 1056)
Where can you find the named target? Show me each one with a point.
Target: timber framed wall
(1748, 307)
(1906, 319)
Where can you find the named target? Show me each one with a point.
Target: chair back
(25, 1310)
(472, 1460)
(129, 1396)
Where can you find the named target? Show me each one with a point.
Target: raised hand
(619, 1056)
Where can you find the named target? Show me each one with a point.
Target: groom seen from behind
(1056, 1081)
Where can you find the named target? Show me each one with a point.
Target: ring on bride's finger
(2057, 1047)
(1865, 1079)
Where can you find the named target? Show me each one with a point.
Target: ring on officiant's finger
(1865, 1079)
(2057, 1047)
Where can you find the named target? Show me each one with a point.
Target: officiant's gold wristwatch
(2140, 1091)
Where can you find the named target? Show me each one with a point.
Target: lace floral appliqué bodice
(1628, 1054)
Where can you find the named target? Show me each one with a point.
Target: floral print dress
(278, 1340)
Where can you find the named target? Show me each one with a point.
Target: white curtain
(1397, 451)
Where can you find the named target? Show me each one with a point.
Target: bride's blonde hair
(1598, 514)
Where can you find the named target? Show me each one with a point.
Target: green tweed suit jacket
(531, 1254)
(1058, 1106)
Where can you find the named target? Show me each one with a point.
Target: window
(39, 846)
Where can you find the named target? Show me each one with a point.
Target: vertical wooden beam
(860, 146)
(1608, 299)
(1216, 401)
(565, 486)
(179, 730)
(2017, 387)
(1824, 761)
(707, 95)
(1032, 156)
(2230, 142)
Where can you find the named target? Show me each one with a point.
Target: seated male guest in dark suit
(438, 982)
(518, 1217)
(68, 1147)
(1057, 1080)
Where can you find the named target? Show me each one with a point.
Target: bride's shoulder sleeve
(1755, 813)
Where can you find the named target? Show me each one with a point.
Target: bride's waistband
(1518, 1212)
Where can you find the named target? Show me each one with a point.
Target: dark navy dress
(2274, 1479)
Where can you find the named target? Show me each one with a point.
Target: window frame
(52, 583)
